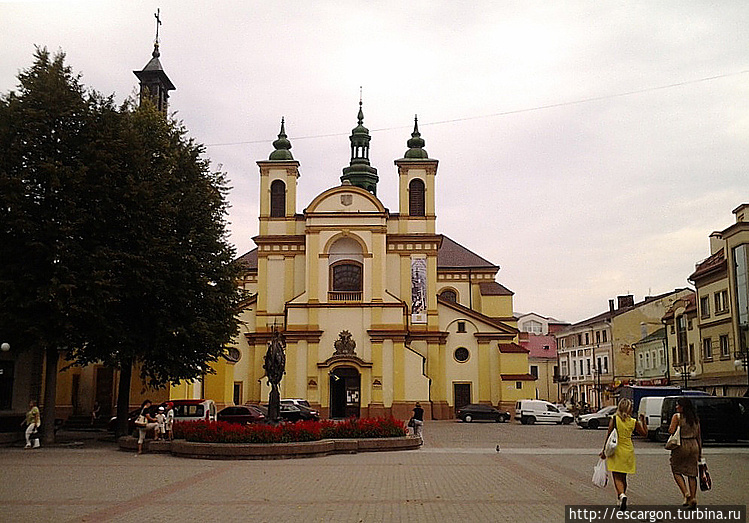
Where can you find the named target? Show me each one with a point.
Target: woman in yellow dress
(622, 461)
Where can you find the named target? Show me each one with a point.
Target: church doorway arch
(345, 392)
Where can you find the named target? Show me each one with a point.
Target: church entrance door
(345, 392)
(462, 394)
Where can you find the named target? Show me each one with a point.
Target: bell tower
(360, 172)
(154, 83)
(278, 183)
(416, 187)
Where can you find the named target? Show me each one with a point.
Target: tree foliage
(114, 241)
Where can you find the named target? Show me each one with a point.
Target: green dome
(282, 146)
(416, 144)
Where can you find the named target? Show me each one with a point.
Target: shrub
(223, 432)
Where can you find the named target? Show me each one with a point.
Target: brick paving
(456, 475)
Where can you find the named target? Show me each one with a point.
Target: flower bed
(223, 432)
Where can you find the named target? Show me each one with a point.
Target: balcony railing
(344, 296)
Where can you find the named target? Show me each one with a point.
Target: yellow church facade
(378, 310)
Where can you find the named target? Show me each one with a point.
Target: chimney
(741, 214)
(611, 305)
(625, 301)
(716, 242)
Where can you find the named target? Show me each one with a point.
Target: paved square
(456, 475)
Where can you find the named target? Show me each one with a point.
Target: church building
(378, 310)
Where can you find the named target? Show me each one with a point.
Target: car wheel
(593, 424)
(498, 419)
(531, 420)
(468, 418)
(566, 421)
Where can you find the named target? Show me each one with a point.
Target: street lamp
(5, 347)
(685, 369)
(597, 372)
(742, 360)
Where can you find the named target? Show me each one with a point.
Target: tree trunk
(123, 398)
(50, 395)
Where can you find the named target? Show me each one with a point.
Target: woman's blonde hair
(624, 408)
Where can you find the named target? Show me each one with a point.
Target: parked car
(597, 419)
(194, 410)
(112, 425)
(297, 401)
(184, 410)
(722, 418)
(241, 414)
(262, 408)
(474, 411)
(303, 405)
(294, 413)
(529, 412)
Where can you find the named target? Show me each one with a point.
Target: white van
(529, 412)
(194, 410)
(650, 406)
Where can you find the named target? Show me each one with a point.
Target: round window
(462, 354)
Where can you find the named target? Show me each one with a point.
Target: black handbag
(411, 423)
(706, 483)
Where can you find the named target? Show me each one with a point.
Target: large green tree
(114, 235)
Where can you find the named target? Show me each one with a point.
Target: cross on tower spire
(157, 15)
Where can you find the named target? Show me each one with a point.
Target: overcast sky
(588, 148)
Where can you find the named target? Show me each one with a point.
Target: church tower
(360, 172)
(278, 182)
(416, 187)
(154, 83)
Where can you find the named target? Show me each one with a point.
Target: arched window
(346, 276)
(416, 205)
(277, 199)
(449, 295)
(346, 263)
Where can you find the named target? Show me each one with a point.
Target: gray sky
(577, 202)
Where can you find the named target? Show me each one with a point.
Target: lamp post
(597, 371)
(685, 369)
(5, 347)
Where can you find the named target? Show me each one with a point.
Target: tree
(43, 139)
(166, 255)
(114, 237)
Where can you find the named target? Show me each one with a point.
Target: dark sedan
(475, 411)
(597, 419)
(241, 414)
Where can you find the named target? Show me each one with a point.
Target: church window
(277, 199)
(347, 276)
(462, 354)
(461, 326)
(416, 205)
(449, 295)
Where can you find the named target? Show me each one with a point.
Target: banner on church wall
(418, 290)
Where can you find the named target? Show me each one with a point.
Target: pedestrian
(150, 424)
(418, 417)
(33, 421)
(686, 456)
(169, 426)
(161, 420)
(95, 413)
(622, 461)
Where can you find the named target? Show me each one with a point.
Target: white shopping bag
(600, 474)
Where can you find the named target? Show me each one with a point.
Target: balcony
(344, 296)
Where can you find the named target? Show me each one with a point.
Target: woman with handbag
(33, 422)
(145, 422)
(418, 419)
(685, 457)
(622, 461)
